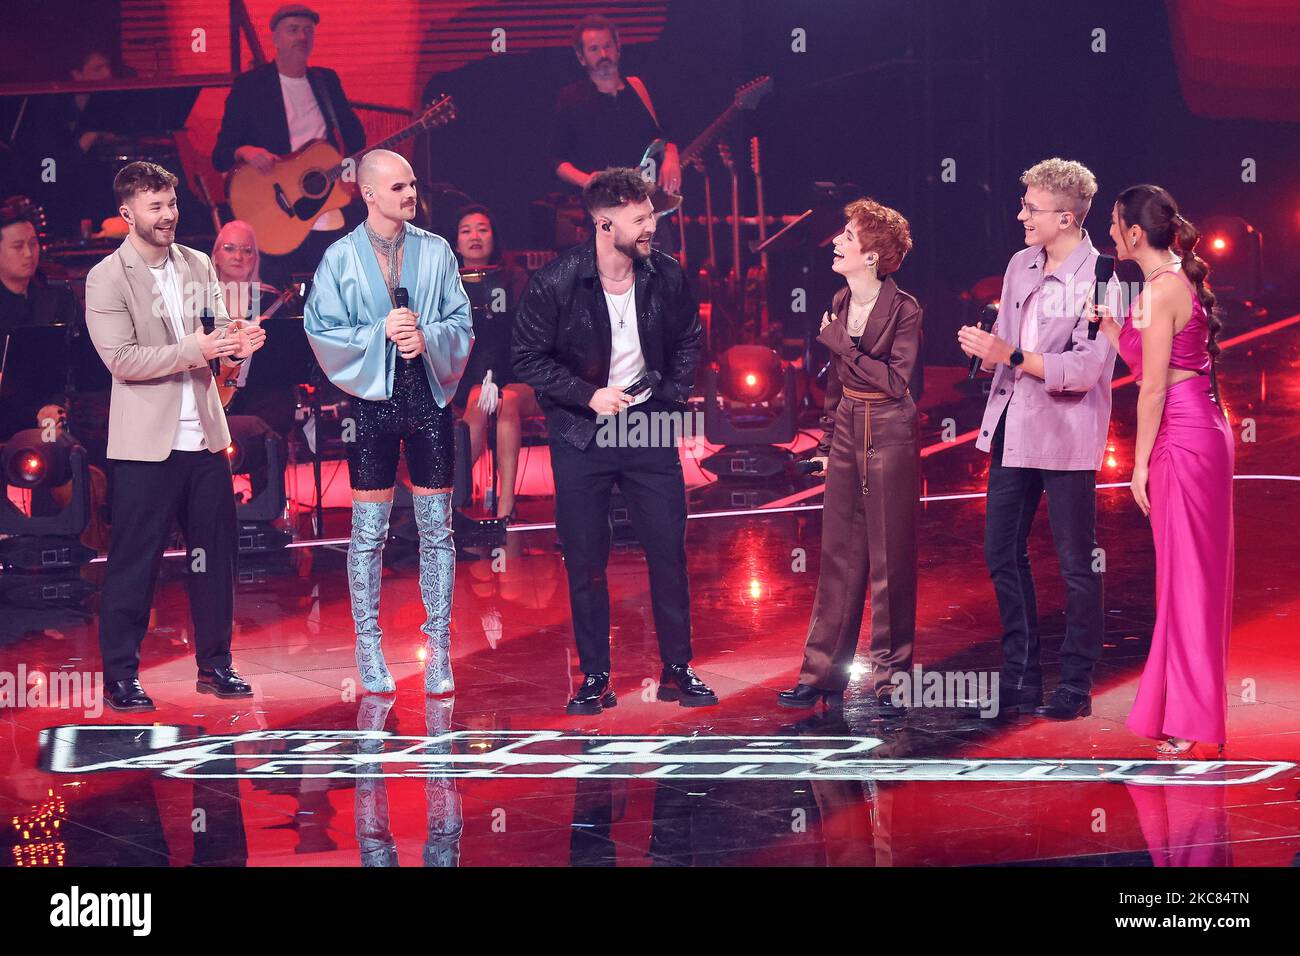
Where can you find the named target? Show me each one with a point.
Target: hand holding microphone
(985, 324)
(400, 327)
(213, 344)
(1102, 273)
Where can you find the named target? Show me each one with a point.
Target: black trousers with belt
(651, 482)
(192, 488)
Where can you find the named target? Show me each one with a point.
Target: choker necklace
(390, 248)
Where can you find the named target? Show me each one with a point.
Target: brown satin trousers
(868, 535)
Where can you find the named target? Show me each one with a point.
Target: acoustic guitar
(282, 204)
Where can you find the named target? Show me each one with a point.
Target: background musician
(279, 107)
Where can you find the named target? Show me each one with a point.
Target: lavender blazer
(1059, 423)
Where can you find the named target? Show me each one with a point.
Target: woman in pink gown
(1182, 474)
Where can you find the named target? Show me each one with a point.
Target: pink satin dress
(1183, 691)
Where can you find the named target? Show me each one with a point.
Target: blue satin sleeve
(354, 354)
(448, 327)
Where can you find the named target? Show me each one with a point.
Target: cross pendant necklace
(622, 313)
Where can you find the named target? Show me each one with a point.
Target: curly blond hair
(1073, 182)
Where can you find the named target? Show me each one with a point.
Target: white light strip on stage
(750, 512)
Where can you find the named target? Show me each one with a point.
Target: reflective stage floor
(309, 774)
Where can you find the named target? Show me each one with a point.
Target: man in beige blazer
(167, 434)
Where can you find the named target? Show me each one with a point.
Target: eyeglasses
(1034, 210)
(229, 248)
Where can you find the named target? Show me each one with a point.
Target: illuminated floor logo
(186, 753)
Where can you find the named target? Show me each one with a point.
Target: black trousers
(651, 482)
(193, 488)
(1013, 496)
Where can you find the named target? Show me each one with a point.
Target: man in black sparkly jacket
(609, 336)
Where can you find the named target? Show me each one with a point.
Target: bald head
(387, 185)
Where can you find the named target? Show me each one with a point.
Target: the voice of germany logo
(185, 752)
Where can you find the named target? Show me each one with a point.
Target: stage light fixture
(43, 551)
(258, 453)
(1234, 250)
(750, 406)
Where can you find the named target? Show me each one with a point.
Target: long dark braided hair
(1154, 210)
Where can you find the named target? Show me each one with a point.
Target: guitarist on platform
(275, 109)
(606, 120)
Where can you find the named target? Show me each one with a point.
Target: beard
(156, 237)
(632, 250)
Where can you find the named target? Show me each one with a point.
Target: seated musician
(27, 301)
(255, 132)
(25, 298)
(488, 384)
(256, 392)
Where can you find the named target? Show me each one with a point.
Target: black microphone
(1105, 269)
(985, 324)
(807, 467)
(402, 300)
(650, 380)
(210, 323)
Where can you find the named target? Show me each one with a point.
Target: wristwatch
(1017, 357)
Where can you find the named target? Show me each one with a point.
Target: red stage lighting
(1218, 244)
(750, 374)
(31, 468)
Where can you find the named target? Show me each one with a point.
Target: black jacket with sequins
(562, 338)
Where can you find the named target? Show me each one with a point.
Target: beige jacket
(127, 320)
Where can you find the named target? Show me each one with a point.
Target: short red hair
(881, 230)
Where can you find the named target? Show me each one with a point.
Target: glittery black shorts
(411, 418)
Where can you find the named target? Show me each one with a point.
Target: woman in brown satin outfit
(870, 455)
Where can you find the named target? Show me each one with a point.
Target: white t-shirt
(305, 124)
(626, 360)
(189, 430)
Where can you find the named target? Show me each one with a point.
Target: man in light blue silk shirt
(401, 365)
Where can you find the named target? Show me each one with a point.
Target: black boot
(223, 682)
(678, 682)
(1065, 704)
(592, 697)
(127, 695)
(806, 695)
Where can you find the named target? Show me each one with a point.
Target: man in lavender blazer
(1046, 425)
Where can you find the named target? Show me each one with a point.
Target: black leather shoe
(127, 695)
(592, 697)
(1065, 705)
(1013, 703)
(886, 706)
(678, 682)
(806, 695)
(223, 682)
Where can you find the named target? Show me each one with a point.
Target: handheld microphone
(985, 324)
(1105, 269)
(650, 380)
(210, 323)
(402, 300)
(807, 467)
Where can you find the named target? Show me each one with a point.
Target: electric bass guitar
(282, 204)
(746, 98)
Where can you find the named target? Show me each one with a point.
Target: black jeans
(651, 482)
(194, 488)
(1013, 495)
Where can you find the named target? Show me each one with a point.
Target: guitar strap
(644, 96)
(327, 107)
